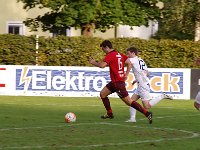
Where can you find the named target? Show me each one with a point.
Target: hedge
(75, 51)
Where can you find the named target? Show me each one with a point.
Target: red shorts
(118, 87)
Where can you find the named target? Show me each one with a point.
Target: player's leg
(166, 96)
(104, 96)
(147, 101)
(197, 101)
(157, 99)
(144, 92)
(123, 94)
(197, 106)
(138, 107)
(132, 110)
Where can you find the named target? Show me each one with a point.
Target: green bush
(75, 51)
(17, 50)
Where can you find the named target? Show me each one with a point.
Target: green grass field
(37, 123)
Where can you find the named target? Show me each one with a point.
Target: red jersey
(116, 63)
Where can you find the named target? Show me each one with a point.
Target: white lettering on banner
(95, 81)
(64, 80)
(80, 81)
(70, 81)
(58, 82)
(35, 80)
(87, 82)
(49, 80)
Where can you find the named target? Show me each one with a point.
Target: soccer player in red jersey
(116, 62)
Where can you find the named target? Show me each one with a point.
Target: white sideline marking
(95, 105)
(193, 135)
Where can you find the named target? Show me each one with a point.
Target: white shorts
(143, 91)
(197, 99)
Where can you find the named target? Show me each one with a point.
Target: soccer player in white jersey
(197, 101)
(140, 72)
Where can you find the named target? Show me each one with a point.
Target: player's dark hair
(106, 43)
(133, 49)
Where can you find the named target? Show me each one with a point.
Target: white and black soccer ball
(70, 117)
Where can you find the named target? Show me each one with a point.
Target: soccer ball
(70, 117)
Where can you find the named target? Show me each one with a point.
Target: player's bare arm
(129, 66)
(97, 64)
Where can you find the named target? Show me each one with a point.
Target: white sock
(132, 113)
(155, 100)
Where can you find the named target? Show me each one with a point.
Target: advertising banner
(85, 81)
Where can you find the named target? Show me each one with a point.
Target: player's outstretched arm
(129, 66)
(97, 64)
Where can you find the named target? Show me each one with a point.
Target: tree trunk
(197, 31)
(197, 27)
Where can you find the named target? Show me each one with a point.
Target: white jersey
(140, 71)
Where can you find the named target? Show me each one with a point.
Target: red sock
(106, 103)
(138, 107)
